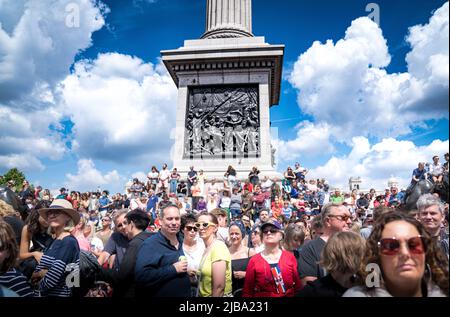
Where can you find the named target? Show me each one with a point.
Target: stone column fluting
(228, 19)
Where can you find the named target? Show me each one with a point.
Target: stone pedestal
(226, 82)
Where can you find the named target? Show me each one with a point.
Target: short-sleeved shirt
(436, 169)
(191, 174)
(164, 175)
(337, 199)
(117, 244)
(219, 252)
(103, 201)
(419, 174)
(309, 257)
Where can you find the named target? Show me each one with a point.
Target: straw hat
(63, 205)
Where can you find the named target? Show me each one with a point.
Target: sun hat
(63, 205)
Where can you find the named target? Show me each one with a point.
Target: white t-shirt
(266, 185)
(97, 244)
(225, 202)
(164, 175)
(436, 170)
(195, 256)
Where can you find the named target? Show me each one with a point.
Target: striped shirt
(58, 260)
(15, 281)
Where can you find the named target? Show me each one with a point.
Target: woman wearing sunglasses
(193, 248)
(62, 256)
(273, 272)
(407, 260)
(215, 265)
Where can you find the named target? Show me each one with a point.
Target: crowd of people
(200, 237)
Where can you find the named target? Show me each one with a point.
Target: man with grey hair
(431, 215)
(118, 241)
(335, 218)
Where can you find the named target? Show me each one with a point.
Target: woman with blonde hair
(62, 256)
(342, 257)
(294, 237)
(405, 261)
(215, 266)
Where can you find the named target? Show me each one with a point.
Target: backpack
(89, 268)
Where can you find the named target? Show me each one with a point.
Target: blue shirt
(294, 192)
(155, 275)
(103, 201)
(320, 197)
(151, 203)
(419, 174)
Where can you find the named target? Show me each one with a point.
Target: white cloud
(346, 86)
(123, 109)
(375, 164)
(311, 141)
(40, 47)
(88, 178)
(23, 161)
(36, 52)
(140, 175)
(25, 139)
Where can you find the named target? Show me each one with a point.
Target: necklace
(271, 258)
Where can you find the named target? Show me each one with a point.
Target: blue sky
(68, 112)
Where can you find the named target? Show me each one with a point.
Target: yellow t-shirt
(218, 252)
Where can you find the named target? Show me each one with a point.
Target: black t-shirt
(323, 287)
(117, 244)
(308, 259)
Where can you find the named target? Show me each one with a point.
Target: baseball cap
(272, 223)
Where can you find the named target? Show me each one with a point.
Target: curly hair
(6, 209)
(434, 257)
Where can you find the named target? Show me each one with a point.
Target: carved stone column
(228, 18)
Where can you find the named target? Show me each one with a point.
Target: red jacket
(259, 281)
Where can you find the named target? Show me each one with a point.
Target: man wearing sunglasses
(431, 215)
(161, 266)
(335, 218)
(118, 241)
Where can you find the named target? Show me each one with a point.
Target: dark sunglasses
(270, 230)
(341, 218)
(391, 246)
(190, 228)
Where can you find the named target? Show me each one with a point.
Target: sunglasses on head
(203, 225)
(391, 246)
(190, 228)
